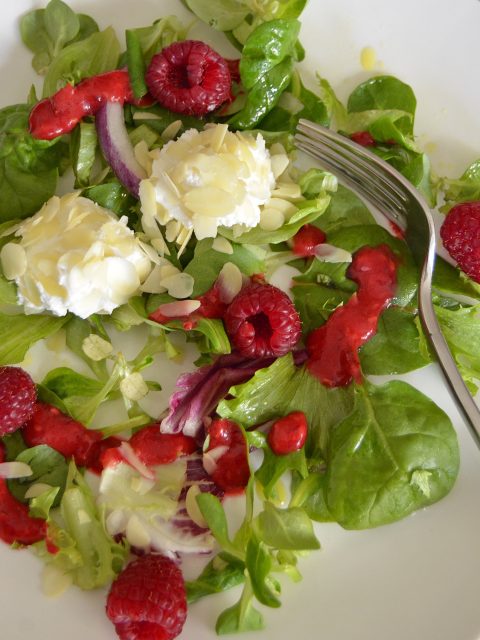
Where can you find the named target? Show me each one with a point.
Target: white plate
(417, 579)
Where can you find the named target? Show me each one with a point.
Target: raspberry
(147, 600)
(189, 77)
(460, 233)
(288, 434)
(50, 426)
(262, 321)
(305, 240)
(18, 396)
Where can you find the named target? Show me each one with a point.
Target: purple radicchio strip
(198, 393)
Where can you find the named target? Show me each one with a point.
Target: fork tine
(357, 178)
(349, 149)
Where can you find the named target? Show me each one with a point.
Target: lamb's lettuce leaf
(47, 31)
(91, 56)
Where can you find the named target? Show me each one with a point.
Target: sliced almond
(179, 285)
(230, 282)
(36, 490)
(287, 190)
(210, 201)
(271, 219)
(171, 131)
(136, 533)
(152, 283)
(329, 253)
(192, 507)
(222, 245)
(133, 387)
(211, 458)
(179, 309)
(15, 469)
(14, 260)
(279, 163)
(54, 581)
(96, 348)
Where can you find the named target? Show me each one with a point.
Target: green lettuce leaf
(282, 388)
(85, 550)
(20, 332)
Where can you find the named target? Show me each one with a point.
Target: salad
(177, 265)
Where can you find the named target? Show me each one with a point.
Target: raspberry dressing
(232, 471)
(288, 434)
(333, 347)
(60, 113)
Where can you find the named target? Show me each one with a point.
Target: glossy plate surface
(417, 579)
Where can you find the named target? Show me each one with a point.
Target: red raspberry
(288, 434)
(262, 321)
(50, 426)
(305, 240)
(147, 600)
(18, 396)
(189, 77)
(364, 138)
(460, 233)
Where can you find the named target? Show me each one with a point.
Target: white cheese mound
(208, 179)
(75, 256)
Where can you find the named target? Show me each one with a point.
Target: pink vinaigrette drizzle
(333, 347)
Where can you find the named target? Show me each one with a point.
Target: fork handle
(464, 400)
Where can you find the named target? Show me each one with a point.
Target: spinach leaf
(264, 95)
(395, 348)
(267, 47)
(20, 332)
(29, 167)
(395, 453)
(296, 102)
(315, 302)
(382, 93)
(309, 493)
(266, 68)
(345, 209)
(95, 54)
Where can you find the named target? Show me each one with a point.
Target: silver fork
(385, 188)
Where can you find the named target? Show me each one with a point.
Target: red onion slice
(116, 146)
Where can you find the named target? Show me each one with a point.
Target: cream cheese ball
(208, 179)
(75, 256)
